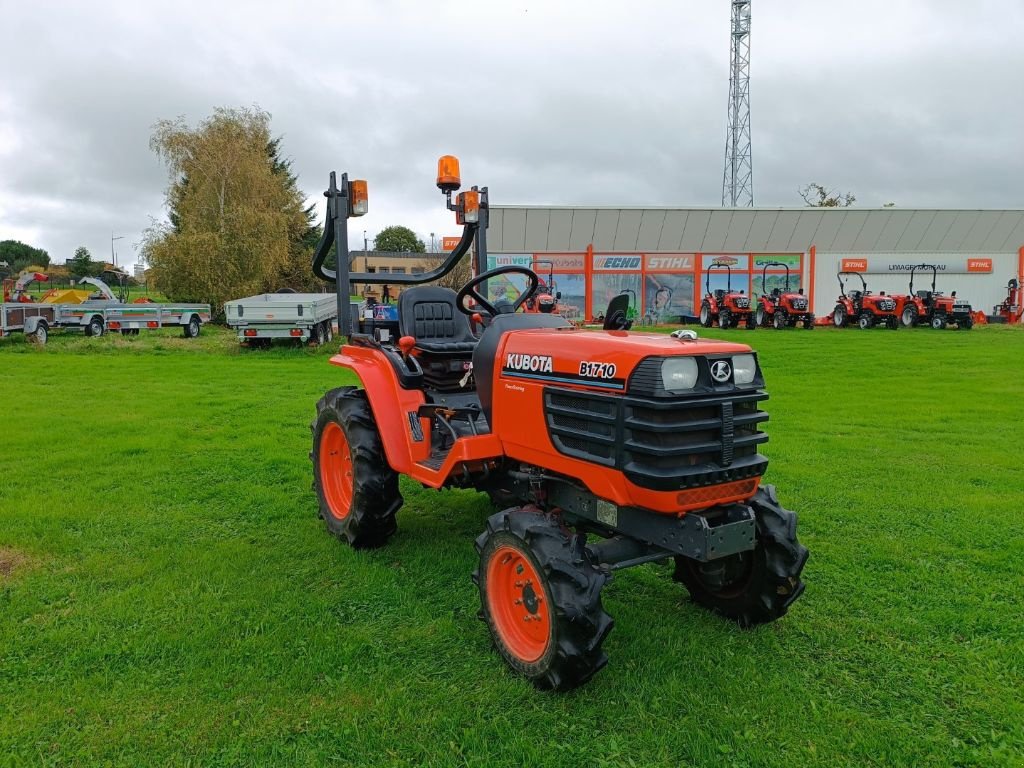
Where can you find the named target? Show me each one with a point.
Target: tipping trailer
(304, 316)
(94, 318)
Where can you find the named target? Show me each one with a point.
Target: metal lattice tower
(738, 179)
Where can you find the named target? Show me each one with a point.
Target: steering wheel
(469, 289)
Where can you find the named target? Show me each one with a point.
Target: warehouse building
(663, 255)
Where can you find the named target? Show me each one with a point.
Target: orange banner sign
(979, 265)
(854, 265)
(449, 243)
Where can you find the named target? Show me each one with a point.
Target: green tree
(398, 239)
(233, 217)
(18, 255)
(81, 264)
(817, 196)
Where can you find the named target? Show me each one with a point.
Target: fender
(712, 304)
(32, 323)
(384, 394)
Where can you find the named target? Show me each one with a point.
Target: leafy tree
(398, 239)
(817, 196)
(18, 255)
(458, 277)
(81, 264)
(233, 216)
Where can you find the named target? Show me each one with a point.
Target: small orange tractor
(725, 306)
(782, 308)
(599, 449)
(933, 307)
(864, 308)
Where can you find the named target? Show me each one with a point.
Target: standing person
(386, 294)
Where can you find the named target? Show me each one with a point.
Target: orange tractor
(782, 308)
(726, 306)
(600, 450)
(933, 307)
(864, 308)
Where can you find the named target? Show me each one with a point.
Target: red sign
(669, 262)
(560, 261)
(979, 265)
(449, 243)
(854, 265)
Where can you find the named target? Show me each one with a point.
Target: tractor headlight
(744, 368)
(679, 373)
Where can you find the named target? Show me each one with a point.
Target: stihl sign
(903, 264)
(670, 263)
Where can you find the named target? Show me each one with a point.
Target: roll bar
(707, 276)
(764, 274)
(339, 210)
(932, 267)
(842, 287)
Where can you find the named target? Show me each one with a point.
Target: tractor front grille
(661, 444)
(742, 302)
(961, 309)
(800, 305)
(886, 305)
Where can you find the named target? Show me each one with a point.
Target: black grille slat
(682, 443)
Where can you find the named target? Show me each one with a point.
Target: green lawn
(168, 596)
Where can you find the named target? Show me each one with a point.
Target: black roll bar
(842, 287)
(764, 274)
(914, 268)
(707, 277)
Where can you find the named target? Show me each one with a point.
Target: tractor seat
(719, 295)
(428, 314)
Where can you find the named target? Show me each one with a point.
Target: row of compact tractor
(599, 449)
(925, 307)
(777, 308)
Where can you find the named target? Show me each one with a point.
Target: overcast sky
(555, 102)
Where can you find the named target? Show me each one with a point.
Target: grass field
(168, 596)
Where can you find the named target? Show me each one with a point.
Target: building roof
(532, 229)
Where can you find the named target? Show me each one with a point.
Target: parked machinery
(17, 290)
(600, 450)
(863, 307)
(932, 306)
(1010, 310)
(728, 307)
(782, 308)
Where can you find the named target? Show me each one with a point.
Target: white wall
(982, 290)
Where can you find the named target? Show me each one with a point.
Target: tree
(398, 239)
(18, 255)
(233, 216)
(817, 196)
(458, 277)
(81, 264)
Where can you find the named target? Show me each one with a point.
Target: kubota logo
(538, 363)
(721, 371)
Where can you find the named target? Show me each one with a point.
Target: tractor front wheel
(893, 323)
(357, 489)
(779, 321)
(809, 322)
(866, 321)
(706, 318)
(965, 324)
(753, 587)
(939, 322)
(725, 319)
(541, 598)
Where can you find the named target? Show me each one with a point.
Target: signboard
(886, 264)
(669, 262)
(791, 260)
(568, 262)
(616, 263)
(495, 260)
(738, 261)
(449, 244)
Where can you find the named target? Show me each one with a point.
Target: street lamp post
(113, 256)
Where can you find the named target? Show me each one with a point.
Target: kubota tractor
(600, 450)
(863, 307)
(933, 307)
(782, 308)
(727, 307)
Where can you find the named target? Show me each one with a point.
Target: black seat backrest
(484, 364)
(428, 313)
(719, 295)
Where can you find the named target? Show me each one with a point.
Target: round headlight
(678, 373)
(744, 367)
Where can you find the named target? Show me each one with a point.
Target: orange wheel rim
(336, 470)
(518, 604)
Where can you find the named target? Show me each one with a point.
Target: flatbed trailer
(94, 318)
(267, 316)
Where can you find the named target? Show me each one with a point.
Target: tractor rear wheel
(909, 316)
(760, 316)
(839, 316)
(541, 598)
(753, 587)
(357, 489)
(705, 315)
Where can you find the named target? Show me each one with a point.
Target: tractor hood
(600, 359)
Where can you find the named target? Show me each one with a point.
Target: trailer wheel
(192, 327)
(330, 331)
(41, 334)
(95, 326)
(540, 597)
(909, 316)
(705, 315)
(357, 489)
(753, 587)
